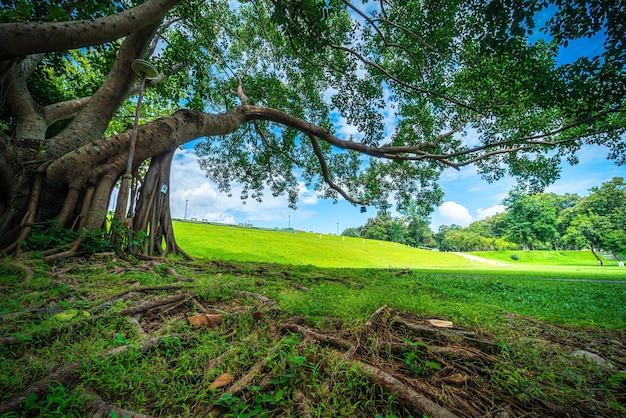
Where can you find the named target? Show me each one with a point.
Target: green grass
(173, 378)
(546, 258)
(303, 248)
(539, 309)
(236, 244)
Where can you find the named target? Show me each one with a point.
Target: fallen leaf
(214, 319)
(199, 320)
(205, 320)
(222, 380)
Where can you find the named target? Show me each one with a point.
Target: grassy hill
(548, 258)
(230, 243)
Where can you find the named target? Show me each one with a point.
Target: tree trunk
(152, 219)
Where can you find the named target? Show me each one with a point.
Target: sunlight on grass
(297, 248)
(230, 243)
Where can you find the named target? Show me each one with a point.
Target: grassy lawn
(231, 243)
(307, 325)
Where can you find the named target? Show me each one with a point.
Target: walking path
(480, 259)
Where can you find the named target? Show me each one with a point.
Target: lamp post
(186, 201)
(337, 228)
(289, 225)
(146, 71)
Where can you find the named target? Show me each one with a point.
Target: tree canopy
(271, 84)
(548, 221)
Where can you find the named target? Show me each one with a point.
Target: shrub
(514, 257)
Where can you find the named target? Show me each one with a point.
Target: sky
(467, 198)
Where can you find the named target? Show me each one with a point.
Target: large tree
(599, 220)
(267, 83)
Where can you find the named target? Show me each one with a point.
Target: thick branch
(94, 117)
(153, 138)
(27, 114)
(64, 110)
(25, 38)
(326, 174)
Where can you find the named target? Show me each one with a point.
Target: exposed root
(240, 385)
(178, 276)
(367, 328)
(96, 407)
(200, 306)
(302, 404)
(455, 336)
(28, 272)
(71, 252)
(68, 374)
(260, 298)
(300, 287)
(409, 397)
(149, 305)
(323, 338)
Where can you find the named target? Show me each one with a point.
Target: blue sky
(467, 197)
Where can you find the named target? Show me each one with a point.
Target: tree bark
(25, 38)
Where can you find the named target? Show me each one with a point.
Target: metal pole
(122, 198)
(133, 139)
(145, 70)
(186, 201)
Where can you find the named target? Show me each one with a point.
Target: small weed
(59, 402)
(415, 361)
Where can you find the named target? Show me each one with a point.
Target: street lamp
(337, 228)
(186, 201)
(289, 227)
(146, 71)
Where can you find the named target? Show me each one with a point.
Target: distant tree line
(530, 221)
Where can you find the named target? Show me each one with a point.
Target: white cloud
(453, 213)
(493, 210)
(192, 193)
